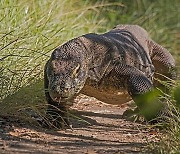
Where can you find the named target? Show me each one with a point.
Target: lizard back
(118, 46)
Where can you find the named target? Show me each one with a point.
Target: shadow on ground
(99, 128)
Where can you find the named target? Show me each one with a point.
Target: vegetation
(30, 30)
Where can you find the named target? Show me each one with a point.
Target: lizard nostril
(56, 99)
(67, 87)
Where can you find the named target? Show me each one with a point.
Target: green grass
(169, 141)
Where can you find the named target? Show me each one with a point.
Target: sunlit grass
(169, 141)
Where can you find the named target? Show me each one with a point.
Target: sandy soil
(99, 129)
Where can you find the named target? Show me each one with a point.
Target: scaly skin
(103, 66)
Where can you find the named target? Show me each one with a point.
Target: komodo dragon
(101, 65)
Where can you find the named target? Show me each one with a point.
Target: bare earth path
(107, 132)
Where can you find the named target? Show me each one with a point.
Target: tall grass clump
(29, 31)
(169, 140)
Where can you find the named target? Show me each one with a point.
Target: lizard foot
(56, 118)
(132, 114)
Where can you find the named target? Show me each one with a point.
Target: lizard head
(66, 73)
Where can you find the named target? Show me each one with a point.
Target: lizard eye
(76, 70)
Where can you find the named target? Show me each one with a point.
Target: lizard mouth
(61, 99)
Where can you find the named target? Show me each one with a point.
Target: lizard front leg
(138, 86)
(137, 82)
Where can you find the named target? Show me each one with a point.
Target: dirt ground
(99, 129)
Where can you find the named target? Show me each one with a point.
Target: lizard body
(105, 66)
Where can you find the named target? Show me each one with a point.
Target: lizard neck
(88, 49)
